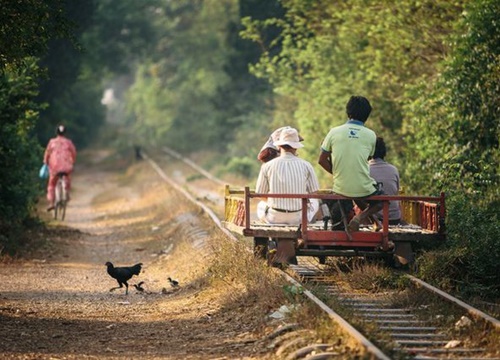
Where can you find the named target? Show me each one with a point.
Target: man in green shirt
(344, 154)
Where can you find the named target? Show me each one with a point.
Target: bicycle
(61, 195)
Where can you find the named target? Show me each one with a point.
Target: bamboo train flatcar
(423, 218)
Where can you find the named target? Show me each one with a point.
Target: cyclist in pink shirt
(60, 155)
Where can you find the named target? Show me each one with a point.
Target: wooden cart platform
(424, 217)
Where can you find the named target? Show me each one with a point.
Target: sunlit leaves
(328, 50)
(456, 129)
(176, 92)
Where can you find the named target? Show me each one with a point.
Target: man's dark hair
(380, 149)
(358, 108)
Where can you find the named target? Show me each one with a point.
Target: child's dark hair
(358, 108)
(380, 149)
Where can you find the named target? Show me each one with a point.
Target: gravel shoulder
(55, 301)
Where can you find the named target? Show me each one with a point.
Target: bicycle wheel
(57, 199)
(57, 211)
(64, 197)
(62, 209)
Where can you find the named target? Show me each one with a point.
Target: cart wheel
(260, 247)
(413, 267)
(403, 255)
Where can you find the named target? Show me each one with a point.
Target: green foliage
(121, 34)
(452, 141)
(473, 76)
(178, 91)
(20, 154)
(453, 138)
(27, 27)
(81, 110)
(328, 50)
(71, 91)
(191, 88)
(470, 261)
(246, 167)
(151, 106)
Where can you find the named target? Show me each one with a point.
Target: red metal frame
(428, 214)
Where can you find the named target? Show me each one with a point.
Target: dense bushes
(453, 136)
(39, 34)
(453, 146)
(20, 154)
(469, 262)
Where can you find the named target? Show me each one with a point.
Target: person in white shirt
(286, 174)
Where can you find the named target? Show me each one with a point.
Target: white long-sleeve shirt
(286, 174)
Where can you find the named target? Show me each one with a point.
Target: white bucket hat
(289, 136)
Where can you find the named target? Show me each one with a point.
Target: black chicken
(123, 274)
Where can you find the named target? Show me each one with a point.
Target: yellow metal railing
(234, 207)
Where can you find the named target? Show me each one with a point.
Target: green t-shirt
(350, 146)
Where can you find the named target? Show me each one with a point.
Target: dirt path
(56, 305)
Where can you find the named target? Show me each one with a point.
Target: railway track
(396, 329)
(408, 331)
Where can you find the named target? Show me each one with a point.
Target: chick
(139, 287)
(174, 283)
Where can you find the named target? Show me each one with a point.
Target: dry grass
(256, 290)
(236, 268)
(360, 274)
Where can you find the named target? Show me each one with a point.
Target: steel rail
(412, 334)
(470, 309)
(193, 165)
(367, 344)
(186, 193)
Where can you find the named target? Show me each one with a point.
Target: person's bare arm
(46, 154)
(325, 161)
(73, 151)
